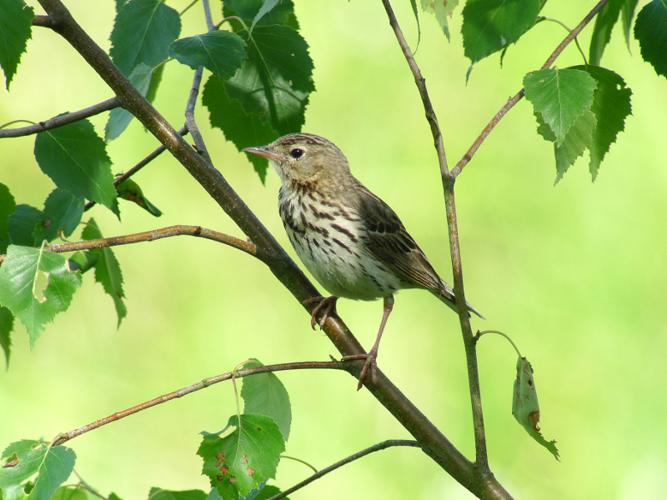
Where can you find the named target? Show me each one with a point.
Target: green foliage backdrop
(574, 272)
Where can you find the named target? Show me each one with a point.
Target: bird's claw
(325, 308)
(370, 365)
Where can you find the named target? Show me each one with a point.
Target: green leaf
(142, 33)
(156, 78)
(62, 213)
(578, 139)
(15, 30)
(604, 22)
(7, 208)
(160, 494)
(242, 460)
(525, 406)
(264, 394)
(267, 6)
(415, 12)
(242, 129)
(611, 106)
(560, 96)
(651, 32)
(21, 460)
(25, 226)
(627, 13)
(53, 471)
(107, 269)
(120, 118)
(268, 491)
(35, 285)
(130, 190)
(272, 85)
(221, 52)
(75, 158)
(16, 492)
(490, 25)
(249, 10)
(6, 325)
(442, 9)
(70, 493)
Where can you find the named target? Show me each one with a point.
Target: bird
(349, 239)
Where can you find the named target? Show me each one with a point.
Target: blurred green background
(575, 273)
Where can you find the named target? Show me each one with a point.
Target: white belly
(331, 247)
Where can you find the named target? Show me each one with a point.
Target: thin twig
(203, 384)
(190, 120)
(155, 234)
(141, 164)
(465, 159)
(421, 86)
(60, 120)
(454, 248)
(355, 456)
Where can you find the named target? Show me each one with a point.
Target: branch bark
(389, 443)
(481, 459)
(198, 386)
(60, 120)
(433, 442)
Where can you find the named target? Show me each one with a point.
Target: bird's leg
(325, 307)
(371, 357)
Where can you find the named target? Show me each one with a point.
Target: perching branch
(355, 456)
(465, 159)
(203, 384)
(60, 120)
(432, 441)
(483, 478)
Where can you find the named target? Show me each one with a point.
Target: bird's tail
(446, 294)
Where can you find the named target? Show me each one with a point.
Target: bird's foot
(326, 307)
(370, 365)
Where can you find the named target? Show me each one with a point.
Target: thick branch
(460, 165)
(433, 442)
(60, 120)
(203, 384)
(355, 456)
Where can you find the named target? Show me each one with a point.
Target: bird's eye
(296, 153)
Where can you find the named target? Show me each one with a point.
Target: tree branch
(60, 120)
(481, 460)
(203, 384)
(433, 442)
(465, 159)
(43, 21)
(423, 91)
(154, 234)
(355, 456)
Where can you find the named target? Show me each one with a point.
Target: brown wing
(389, 242)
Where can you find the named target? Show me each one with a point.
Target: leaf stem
(563, 25)
(498, 332)
(355, 456)
(289, 457)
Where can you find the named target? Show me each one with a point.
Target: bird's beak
(263, 151)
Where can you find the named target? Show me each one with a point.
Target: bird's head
(304, 158)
